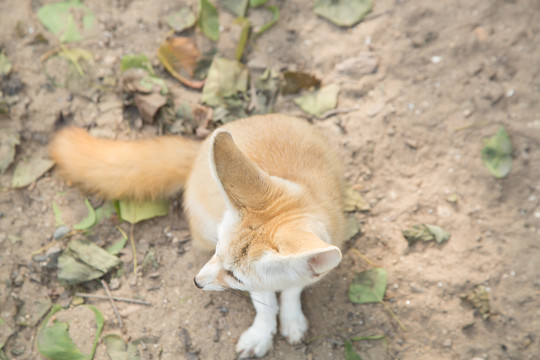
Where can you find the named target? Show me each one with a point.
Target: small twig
(365, 258)
(376, 15)
(122, 232)
(50, 53)
(473, 125)
(106, 287)
(131, 301)
(333, 112)
(52, 243)
(394, 316)
(43, 249)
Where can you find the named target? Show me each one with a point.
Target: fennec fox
(266, 191)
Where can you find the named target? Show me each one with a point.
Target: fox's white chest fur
(279, 213)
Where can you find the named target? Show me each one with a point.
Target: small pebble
(60, 231)
(18, 280)
(447, 343)
(114, 284)
(481, 34)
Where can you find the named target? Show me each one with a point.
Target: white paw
(255, 341)
(293, 328)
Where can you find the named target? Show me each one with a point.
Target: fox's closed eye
(231, 274)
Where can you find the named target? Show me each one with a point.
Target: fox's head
(268, 240)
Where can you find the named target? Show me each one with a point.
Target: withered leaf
(179, 56)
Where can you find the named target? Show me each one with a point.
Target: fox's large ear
(244, 184)
(324, 260)
(312, 254)
(320, 261)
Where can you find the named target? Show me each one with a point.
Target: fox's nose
(196, 283)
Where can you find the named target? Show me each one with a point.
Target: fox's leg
(257, 340)
(292, 322)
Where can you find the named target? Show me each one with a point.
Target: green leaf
(73, 271)
(139, 61)
(368, 286)
(343, 12)
(182, 19)
(8, 142)
(319, 101)
(89, 221)
(133, 351)
(118, 350)
(257, 3)
(53, 340)
(440, 234)
(91, 254)
(350, 353)
(100, 321)
(26, 173)
(226, 78)
(418, 232)
(116, 347)
(61, 19)
(237, 7)
(5, 65)
(497, 154)
(275, 17)
(133, 212)
(353, 200)
(54, 343)
(117, 246)
(84, 261)
(105, 211)
(208, 19)
(479, 299)
(352, 227)
(425, 232)
(244, 35)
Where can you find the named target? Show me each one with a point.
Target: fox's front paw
(293, 328)
(255, 341)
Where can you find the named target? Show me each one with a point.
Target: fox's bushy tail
(116, 169)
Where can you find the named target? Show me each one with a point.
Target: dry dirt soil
(448, 74)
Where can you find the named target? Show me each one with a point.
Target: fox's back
(282, 146)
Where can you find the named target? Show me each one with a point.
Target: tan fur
(143, 169)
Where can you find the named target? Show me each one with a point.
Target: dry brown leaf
(179, 56)
(148, 105)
